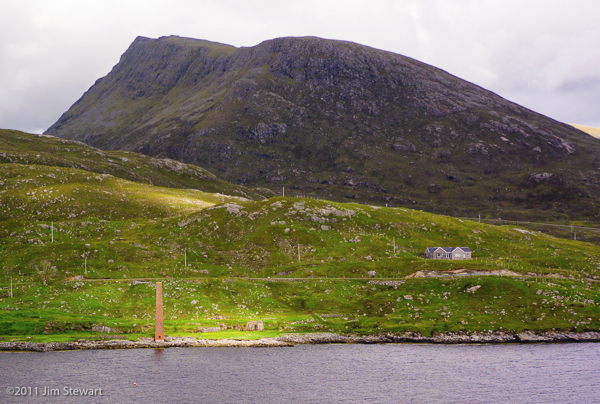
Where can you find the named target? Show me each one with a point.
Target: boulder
(209, 329)
(100, 328)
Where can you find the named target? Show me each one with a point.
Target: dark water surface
(535, 373)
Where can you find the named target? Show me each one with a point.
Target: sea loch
(390, 373)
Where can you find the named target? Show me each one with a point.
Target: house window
(458, 255)
(439, 254)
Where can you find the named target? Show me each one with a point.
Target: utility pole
(52, 231)
(11, 288)
(185, 258)
(222, 197)
(298, 252)
(283, 192)
(394, 240)
(480, 218)
(85, 257)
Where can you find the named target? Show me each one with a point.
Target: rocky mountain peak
(338, 120)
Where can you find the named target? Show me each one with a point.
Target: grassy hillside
(81, 248)
(299, 265)
(34, 192)
(29, 149)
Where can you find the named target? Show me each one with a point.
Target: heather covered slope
(27, 149)
(80, 252)
(341, 121)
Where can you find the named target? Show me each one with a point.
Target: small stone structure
(255, 326)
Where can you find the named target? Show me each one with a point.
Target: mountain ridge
(338, 120)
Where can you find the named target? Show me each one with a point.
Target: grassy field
(277, 261)
(80, 249)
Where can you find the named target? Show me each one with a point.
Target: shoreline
(291, 340)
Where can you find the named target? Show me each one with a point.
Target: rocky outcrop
(209, 329)
(146, 343)
(449, 338)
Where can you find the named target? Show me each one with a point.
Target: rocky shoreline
(290, 340)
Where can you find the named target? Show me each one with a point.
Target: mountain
(342, 121)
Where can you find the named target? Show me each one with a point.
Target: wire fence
(498, 221)
(526, 223)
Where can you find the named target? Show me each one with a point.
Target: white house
(448, 253)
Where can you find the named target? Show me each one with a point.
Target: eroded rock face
(335, 118)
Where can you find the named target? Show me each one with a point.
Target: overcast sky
(542, 54)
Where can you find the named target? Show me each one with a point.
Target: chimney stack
(159, 333)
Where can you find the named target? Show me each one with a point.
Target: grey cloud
(579, 85)
(541, 54)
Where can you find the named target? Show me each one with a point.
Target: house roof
(449, 249)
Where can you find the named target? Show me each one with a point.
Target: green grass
(23, 148)
(353, 306)
(33, 192)
(231, 255)
(299, 265)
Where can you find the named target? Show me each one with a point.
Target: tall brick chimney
(159, 329)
